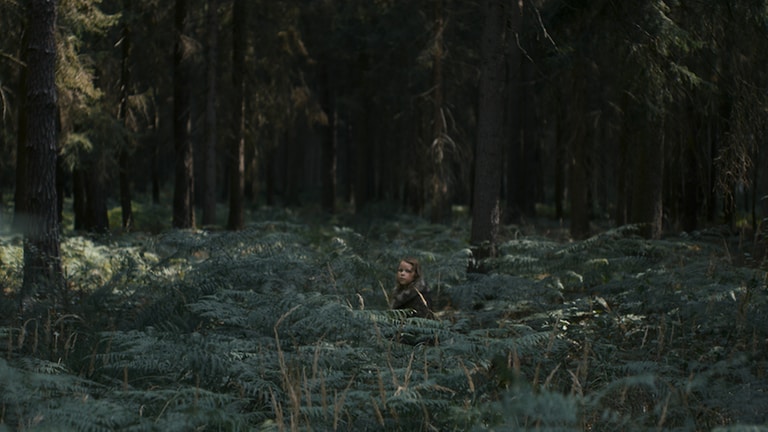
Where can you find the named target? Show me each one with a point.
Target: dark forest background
(649, 112)
(203, 203)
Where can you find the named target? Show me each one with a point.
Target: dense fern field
(284, 327)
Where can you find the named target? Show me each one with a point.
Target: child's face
(405, 273)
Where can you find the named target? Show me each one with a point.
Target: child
(411, 291)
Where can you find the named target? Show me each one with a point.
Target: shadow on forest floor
(284, 325)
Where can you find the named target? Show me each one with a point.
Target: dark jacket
(415, 296)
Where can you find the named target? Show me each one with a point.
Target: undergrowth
(283, 327)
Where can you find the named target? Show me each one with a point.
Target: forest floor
(284, 326)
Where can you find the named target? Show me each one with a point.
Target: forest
(204, 203)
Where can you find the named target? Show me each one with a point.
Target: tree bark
(270, 171)
(251, 173)
(123, 157)
(209, 192)
(648, 169)
(63, 176)
(293, 176)
(155, 160)
(361, 144)
(487, 185)
(515, 169)
(578, 184)
(329, 144)
(691, 174)
(78, 199)
(90, 202)
(42, 255)
(529, 176)
(728, 185)
(236, 219)
(624, 169)
(438, 193)
(126, 206)
(97, 219)
(183, 196)
(20, 193)
(560, 165)
(578, 187)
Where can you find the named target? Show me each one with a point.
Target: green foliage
(284, 326)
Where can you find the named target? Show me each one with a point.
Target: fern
(521, 409)
(284, 325)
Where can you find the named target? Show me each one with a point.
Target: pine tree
(486, 206)
(42, 255)
(183, 196)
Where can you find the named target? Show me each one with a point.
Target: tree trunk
(360, 142)
(560, 165)
(728, 185)
(123, 158)
(515, 170)
(236, 219)
(42, 255)
(624, 169)
(125, 190)
(155, 162)
(529, 152)
(713, 147)
(755, 156)
(361, 186)
(648, 169)
(78, 199)
(209, 190)
(20, 193)
(270, 171)
(251, 182)
(578, 185)
(487, 185)
(90, 204)
(61, 189)
(293, 176)
(522, 157)
(329, 144)
(183, 194)
(97, 219)
(438, 190)
(691, 174)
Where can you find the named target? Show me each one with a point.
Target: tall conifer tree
(237, 146)
(42, 255)
(486, 210)
(183, 197)
(211, 96)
